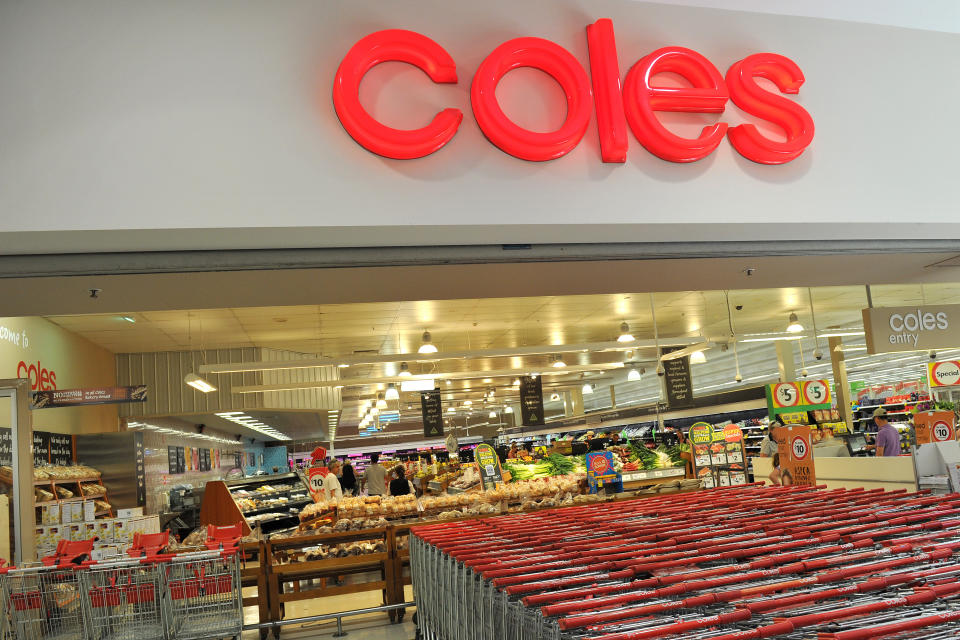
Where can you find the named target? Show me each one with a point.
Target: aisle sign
(944, 374)
(798, 397)
(934, 426)
(81, 397)
(531, 401)
(431, 410)
(677, 381)
(488, 464)
(600, 470)
(795, 450)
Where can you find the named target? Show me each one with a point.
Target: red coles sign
(41, 379)
(635, 104)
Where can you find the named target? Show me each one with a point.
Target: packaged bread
(42, 495)
(63, 494)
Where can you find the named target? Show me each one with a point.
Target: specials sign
(892, 329)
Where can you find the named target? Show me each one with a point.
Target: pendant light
(794, 325)
(404, 370)
(493, 414)
(516, 382)
(558, 362)
(427, 345)
(698, 357)
(392, 393)
(587, 389)
(634, 375)
(816, 341)
(625, 335)
(192, 379)
(509, 409)
(381, 402)
(554, 396)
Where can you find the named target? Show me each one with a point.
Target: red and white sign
(800, 448)
(934, 426)
(816, 392)
(786, 394)
(635, 104)
(942, 431)
(315, 476)
(944, 374)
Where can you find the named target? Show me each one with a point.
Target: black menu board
(677, 382)
(141, 469)
(41, 448)
(238, 460)
(204, 459)
(531, 401)
(176, 461)
(6, 447)
(61, 449)
(431, 406)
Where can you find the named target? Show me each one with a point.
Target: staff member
(887, 442)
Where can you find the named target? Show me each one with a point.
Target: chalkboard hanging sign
(61, 449)
(431, 407)
(531, 401)
(41, 448)
(677, 381)
(6, 447)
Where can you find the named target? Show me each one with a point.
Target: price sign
(816, 392)
(315, 476)
(800, 448)
(934, 426)
(944, 374)
(488, 463)
(942, 432)
(786, 394)
(600, 469)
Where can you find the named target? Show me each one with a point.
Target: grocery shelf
(274, 507)
(652, 474)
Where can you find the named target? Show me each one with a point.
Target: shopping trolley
(148, 544)
(226, 537)
(42, 603)
(70, 552)
(123, 599)
(203, 596)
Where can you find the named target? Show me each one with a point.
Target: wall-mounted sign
(934, 426)
(141, 472)
(944, 374)
(677, 381)
(80, 397)
(635, 104)
(431, 410)
(488, 464)
(798, 397)
(531, 401)
(891, 329)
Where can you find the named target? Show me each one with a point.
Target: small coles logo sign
(41, 378)
(634, 105)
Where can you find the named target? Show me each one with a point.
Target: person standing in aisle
(887, 442)
(331, 484)
(375, 476)
(399, 486)
(769, 446)
(348, 480)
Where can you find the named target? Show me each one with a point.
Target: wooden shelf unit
(73, 485)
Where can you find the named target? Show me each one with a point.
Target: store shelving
(221, 507)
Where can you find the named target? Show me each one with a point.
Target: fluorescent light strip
(249, 422)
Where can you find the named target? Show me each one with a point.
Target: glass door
(17, 517)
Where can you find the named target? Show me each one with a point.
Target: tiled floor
(369, 627)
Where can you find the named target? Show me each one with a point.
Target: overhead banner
(80, 397)
(944, 374)
(892, 329)
(431, 408)
(677, 381)
(531, 401)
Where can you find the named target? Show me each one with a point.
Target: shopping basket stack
(734, 562)
(173, 597)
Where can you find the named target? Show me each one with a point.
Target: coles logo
(906, 327)
(635, 103)
(41, 379)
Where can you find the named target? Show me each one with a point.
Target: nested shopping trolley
(42, 603)
(203, 596)
(124, 600)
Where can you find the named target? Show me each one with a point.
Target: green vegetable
(559, 465)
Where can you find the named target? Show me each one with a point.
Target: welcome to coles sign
(635, 103)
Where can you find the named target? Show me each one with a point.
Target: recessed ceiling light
(487, 380)
(129, 319)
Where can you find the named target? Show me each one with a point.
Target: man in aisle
(375, 476)
(887, 442)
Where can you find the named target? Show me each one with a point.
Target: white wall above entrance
(136, 120)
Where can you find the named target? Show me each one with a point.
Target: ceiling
(362, 331)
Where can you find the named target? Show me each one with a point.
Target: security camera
(738, 378)
(739, 307)
(818, 354)
(933, 355)
(804, 373)
(661, 371)
(94, 293)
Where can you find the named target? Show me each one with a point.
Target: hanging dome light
(392, 393)
(698, 357)
(451, 409)
(493, 414)
(404, 369)
(516, 382)
(558, 362)
(634, 375)
(794, 325)
(625, 335)
(381, 403)
(427, 345)
(587, 389)
(509, 409)
(554, 396)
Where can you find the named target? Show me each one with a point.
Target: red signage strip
(635, 105)
(97, 395)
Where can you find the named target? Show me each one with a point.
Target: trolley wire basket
(124, 600)
(43, 603)
(203, 597)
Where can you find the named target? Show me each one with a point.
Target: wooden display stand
(218, 507)
(74, 486)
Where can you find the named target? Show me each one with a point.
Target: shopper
(780, 476)
(769, 446)
(375, 477)
(514, 451)
(400, 486)
(887, 442)
(331, 484)
(348, 480)
(615, 438)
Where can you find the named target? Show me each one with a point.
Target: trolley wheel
(400, 614)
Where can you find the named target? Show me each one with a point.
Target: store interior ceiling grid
(478, 324)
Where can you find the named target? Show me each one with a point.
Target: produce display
(733, 562)
(662, 457)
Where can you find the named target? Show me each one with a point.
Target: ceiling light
(625, 333)
(698, 357)
(375, 410)
(509, 409)
(558, 362)
(794, 325)
(198, 383)
(426, 384)
(392, 393)
(487, 380)
(427, 345)
(587, 389)
(343, 366)
(516, 382)
(493, 414)
(634, 375)
(492, 393)
(404, 369)
(467, 403)
(449, 383)
(129, 319)
(381, 402)
(451, 410)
